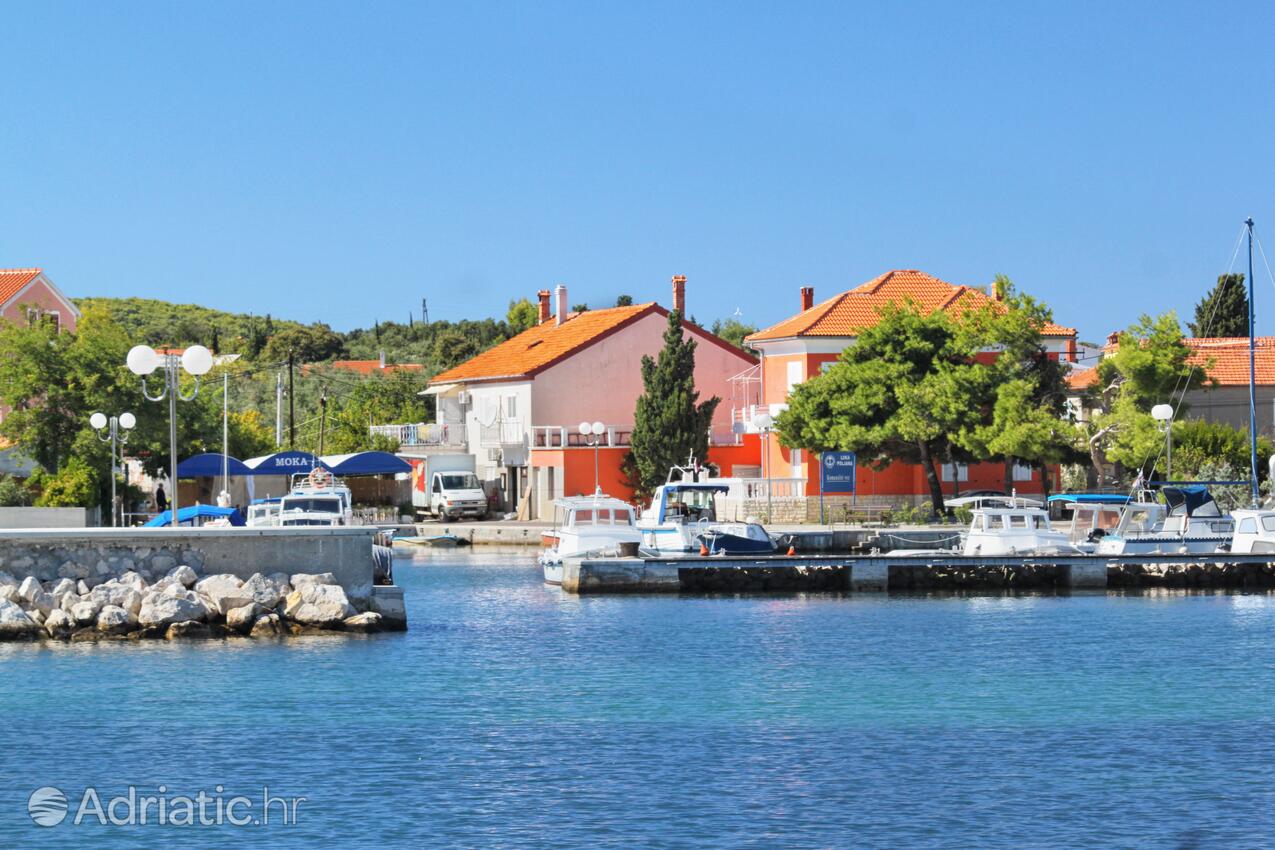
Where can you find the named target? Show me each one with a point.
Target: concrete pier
(880, 573)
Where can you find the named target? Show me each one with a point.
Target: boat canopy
(209, 465)
(197, 512)
(281, 463)
(1191, 499)
(365, 463)
(1092, 498)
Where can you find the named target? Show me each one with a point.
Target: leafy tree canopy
(733, 330)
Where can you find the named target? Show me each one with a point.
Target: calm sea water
(513, 715)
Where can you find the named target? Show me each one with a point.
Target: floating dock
(882, 573)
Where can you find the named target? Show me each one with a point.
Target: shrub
(14, 493)
(75, 485)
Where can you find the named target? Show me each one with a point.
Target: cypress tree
(1227, 306)
(670, 422)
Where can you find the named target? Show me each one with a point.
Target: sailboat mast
(1252, 370)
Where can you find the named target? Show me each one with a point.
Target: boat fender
(792, 549)
(703, 549)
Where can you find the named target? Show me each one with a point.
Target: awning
(438, 389)
(281, 463)
(209, 464)
(365, 463)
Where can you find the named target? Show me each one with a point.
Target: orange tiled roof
(1230, 359)
(1229, 356)
(12, 281)
(850, 312)
(367, 367)
(543, 344)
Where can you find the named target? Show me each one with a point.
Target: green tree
(521, 316)
(1026, 421)
(900, 392)
(1224, 310)
(579, 308)
(669, 422)
(313, 344)
(1151, 366)
(733, 330)
(624, 301)
(452, 348)
(76, 484)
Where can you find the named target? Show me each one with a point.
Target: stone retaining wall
(98, 554)
(1205, 576)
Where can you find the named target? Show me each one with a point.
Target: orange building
(807, 343)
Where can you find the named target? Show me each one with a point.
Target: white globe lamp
(197, 360)
(142, 360)
(98, 421)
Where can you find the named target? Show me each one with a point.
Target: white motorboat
(1014, 530)
(587, 526)
(1254, 532)
(316, 498)
(1192, 523)
(682, 518)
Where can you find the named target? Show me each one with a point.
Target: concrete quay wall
(98, 554)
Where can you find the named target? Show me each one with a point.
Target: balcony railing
(564, 437)
(423, 434)
(503, 432)
(762, 488)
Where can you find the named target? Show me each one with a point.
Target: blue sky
(340, 162)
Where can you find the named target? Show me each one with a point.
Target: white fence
(423, 434)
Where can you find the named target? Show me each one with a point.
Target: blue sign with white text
(837, 471)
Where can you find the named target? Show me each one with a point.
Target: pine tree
(216, 341)
(670, 423)
(1224, 311)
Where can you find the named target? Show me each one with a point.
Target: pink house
(28, 294)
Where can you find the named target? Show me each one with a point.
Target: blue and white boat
(683, 519)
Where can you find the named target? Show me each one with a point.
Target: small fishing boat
(1014, 530)
(1254, 532)
(445, 541)
(1189, 521)
(682, 519)
(587, 526)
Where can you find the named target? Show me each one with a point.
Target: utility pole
(292, 421)
(278, 409)
(323, 418)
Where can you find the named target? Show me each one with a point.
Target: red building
(807, 343)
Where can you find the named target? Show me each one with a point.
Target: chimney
(1113, 338)
(807, 297)
(560, 299)
(382, 358)
(543, 295)
(679, 294)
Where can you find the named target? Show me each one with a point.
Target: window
(962, 472)
(1268, 523)
(796, 461)
(584, 517)
(53, 318)
(604, 516)
(1017, 521)
(1022, 471)
(511, 407)
(794, 375)
(1248, 525)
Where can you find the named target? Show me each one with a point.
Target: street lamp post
(764, 422)
(1163, 413)
(117, 436)
(197, 360)
(592, 433)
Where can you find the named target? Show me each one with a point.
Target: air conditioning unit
(493, 455)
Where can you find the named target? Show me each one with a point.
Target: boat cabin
(684, 503)
(1254, 532)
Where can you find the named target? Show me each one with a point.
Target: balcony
(502, 432)
(569, 437)
(443, 435)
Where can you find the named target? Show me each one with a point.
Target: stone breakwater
(1243, 576)
(180, 604)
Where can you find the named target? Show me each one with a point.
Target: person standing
(161, 499)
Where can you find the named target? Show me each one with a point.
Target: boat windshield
(312, 504)
(692, 505)
(461, 481)
(602, 516)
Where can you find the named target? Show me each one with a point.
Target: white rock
(184, 574)
(133, 580)
(82, 588)
(301, 580)
(9, 593)
(132, 603)
(224, 592)
(85, 613)
(281, 579)
(29, 587)
(265, 591)
(166, 610)
(59, 624)
(42, 602)
(369, 621)
(268, 626)
(241, 619)
(319, 605)
(14, 622)
(113, 620)
(62, 586)
(66, 600)
(36, 615)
